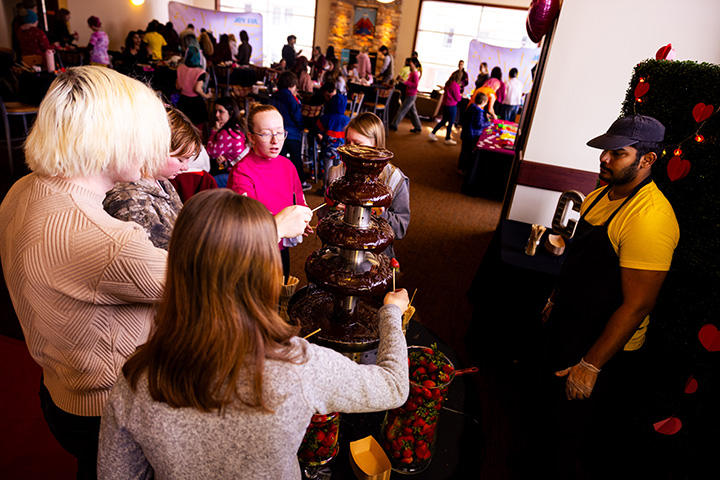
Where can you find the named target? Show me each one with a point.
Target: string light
(699, 138)
(677, 152)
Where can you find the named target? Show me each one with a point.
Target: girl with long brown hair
(224, 388)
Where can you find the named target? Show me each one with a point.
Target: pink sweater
(271, 181)
(226, 143)
(452, 94)
(411, 84)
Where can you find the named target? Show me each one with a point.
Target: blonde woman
(83, 283)
(224, 388)
(367, 129)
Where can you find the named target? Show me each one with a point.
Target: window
(281, 18)
(445, 30)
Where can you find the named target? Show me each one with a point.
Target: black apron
(588, 291)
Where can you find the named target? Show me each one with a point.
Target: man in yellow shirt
(155, 41)
(597, 316)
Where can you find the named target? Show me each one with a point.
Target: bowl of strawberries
(408, 432)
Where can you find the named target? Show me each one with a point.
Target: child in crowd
(331, 126)
(475, 121)
(408, 105)
(286, 102)
(228, 138)
(266, 175)
(98, 43)
(224, 388)
(368, 130)
(513, 97)
(451, 97)
(152, 201)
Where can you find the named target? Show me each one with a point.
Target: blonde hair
(95, 120)
(369, 125)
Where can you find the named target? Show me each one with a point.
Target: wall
(408, 22)
(595, 48)
(118, 17)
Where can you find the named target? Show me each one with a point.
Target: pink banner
(219, 23)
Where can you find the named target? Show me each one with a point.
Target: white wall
(118, 17)
(596, 46)
(408, 22)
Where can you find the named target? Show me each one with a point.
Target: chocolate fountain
(349, 270)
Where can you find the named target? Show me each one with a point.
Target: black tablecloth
(509, 291)
(459, 445)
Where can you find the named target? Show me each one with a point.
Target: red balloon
(541, 15)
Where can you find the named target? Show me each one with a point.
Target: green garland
(691, 294)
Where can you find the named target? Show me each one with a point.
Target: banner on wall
(524, 59)
(220, 22)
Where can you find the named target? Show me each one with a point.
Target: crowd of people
(173, 241)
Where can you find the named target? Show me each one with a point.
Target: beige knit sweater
(82, 284)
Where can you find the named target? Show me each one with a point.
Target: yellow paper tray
(368, 460)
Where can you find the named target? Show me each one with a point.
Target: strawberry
(394, 263)
(329, 440)
(406, 460)
(406, 452)
(426, 393)
(319, 435)
(428, 351)
(428, 383)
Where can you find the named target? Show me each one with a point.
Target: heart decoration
(701, 112)
(665, 53)
(669, 426)
(710, 338)
(641, 89)
(677, 168)
(691, 385)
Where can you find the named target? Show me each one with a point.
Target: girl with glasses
(264, 174)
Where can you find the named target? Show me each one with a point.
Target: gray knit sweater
(141, 438)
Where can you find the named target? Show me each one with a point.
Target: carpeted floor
(447, 237)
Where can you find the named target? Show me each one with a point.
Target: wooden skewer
(413, 297)
(393, 279)
(318, 207)
(313, 333)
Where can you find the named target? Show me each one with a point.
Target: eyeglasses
(267, 137)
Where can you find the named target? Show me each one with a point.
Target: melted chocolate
(332, 230)
(313, 308)
(365, 160)
(327, 269)
(350, 191)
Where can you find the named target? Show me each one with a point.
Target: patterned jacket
(147, 204)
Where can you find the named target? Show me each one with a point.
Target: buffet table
(459, 444)
(490, 163)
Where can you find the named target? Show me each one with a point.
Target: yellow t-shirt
(155, 41)
(644, 234)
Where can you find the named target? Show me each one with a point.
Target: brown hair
(218, 320)
(184, 136)
(369, 125)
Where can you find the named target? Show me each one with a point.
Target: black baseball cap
(628, 131)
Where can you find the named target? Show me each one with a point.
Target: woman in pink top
(264, 174)
(450, 100)
(228, 138)
(190, 79)
(408, 105)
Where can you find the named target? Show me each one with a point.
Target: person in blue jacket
(475, 121)
(331, 126)
(289, 106)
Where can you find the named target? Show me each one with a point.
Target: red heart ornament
(669, 426)
(701, 111)
(641, 89)
(710, 338)
(677, 168)
(663, 52)
(691, 385)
